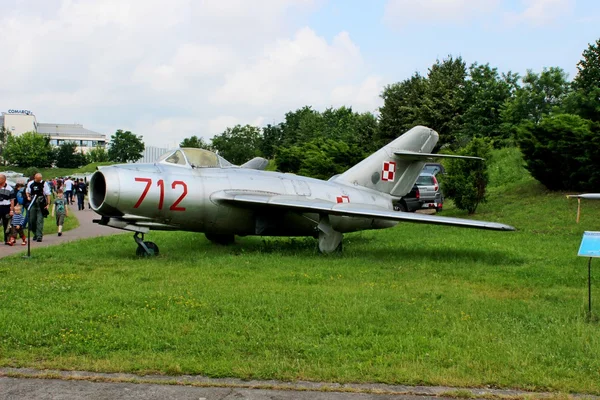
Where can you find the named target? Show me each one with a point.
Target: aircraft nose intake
(104, 189)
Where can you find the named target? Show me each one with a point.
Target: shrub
(465, 181)
(562, 152)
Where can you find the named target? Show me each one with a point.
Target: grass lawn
(416, 304)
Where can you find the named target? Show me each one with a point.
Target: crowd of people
(26, 205)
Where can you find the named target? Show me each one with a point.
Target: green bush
(465, 181)
(562, 152)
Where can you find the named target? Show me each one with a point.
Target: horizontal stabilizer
(302, 204)
(414, 156)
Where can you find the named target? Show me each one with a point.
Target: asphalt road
(26, 383)
(46, 389)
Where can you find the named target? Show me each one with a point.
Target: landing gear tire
(152, 250)
(223, 240)
(144, 249)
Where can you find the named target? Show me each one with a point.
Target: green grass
(416, 304)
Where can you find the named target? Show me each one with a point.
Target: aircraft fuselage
(175, 197)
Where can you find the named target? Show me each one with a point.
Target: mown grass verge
(416, 304)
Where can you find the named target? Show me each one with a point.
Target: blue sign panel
(590, 244)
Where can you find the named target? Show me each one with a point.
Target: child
(17, 222)
(60, 209)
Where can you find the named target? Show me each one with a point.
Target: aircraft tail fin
(394, 168)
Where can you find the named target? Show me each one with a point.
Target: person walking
(60, 210)
(17, 223)
(7, 205)
(69, 189)
(81, 190)
(39, 209)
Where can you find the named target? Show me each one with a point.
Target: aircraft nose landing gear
(144, 249)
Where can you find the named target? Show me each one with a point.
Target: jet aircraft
(197, 190)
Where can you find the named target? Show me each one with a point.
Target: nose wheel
(144, 249)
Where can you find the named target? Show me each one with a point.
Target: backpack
(60, 207)
(21, 196)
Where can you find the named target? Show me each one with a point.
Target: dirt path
(86, 229)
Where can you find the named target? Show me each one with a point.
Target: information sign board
(590, 244)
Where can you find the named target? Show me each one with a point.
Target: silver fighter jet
(197, 190)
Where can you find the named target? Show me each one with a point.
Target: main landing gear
(144, 249)
(330, 240)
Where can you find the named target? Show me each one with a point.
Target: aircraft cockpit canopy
(195, 158)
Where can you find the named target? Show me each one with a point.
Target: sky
(167, 70)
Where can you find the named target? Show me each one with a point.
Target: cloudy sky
(171, 69)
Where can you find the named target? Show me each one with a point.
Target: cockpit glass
(200, 158)
(196, 158)
(176, 158)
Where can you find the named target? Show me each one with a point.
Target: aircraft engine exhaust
(104, 192)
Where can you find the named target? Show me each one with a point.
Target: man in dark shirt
(41, 191)
(7, 205)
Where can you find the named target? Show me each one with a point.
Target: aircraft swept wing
(413, 155)
(304, 205)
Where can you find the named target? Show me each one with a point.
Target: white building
(18, 122)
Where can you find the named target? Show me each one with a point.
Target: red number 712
(161, 185)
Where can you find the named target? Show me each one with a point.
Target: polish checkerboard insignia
(343, 199)
(389, 171)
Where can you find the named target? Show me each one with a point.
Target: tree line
(555, 122)
(32, 150)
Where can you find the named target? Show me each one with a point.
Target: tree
(585, 99)
(29, 150)
(319, 158)
(443, 104)
(67, 156)
(485, 93)
(540, 95)
(402, 108)
(98, 154)
(272, 137)
(562, 152)
(588, 68)
(4, 134)
(465, 181)
(301, 126)
(238, 144)
(125, 147)
(196, 142)
(323, 159)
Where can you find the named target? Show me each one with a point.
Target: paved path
(86, 229)
(26, 383)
